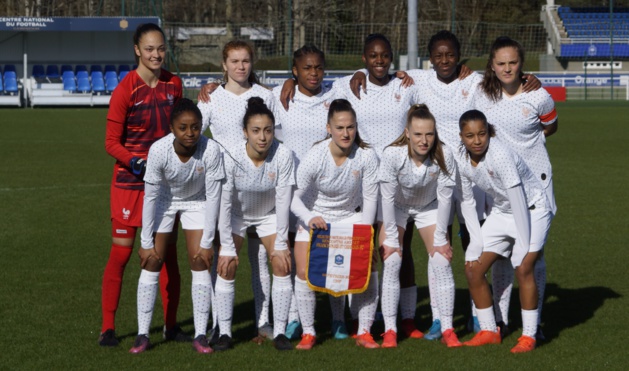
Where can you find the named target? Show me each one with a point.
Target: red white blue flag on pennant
(339, 259)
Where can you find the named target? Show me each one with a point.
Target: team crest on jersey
(433, 174)
(171, 99)
(326, 105)
(125, 213)
(272, 175)
(397, 96)
(526, 111)
(338, 259)
(356, 173)
(200, 170)
(491, 173)
(465, 93)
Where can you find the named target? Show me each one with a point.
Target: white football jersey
(518, 121)
(253, 188)
(381, 111)
(416, 186)
(336, 192)
(447, 102)
(182, 184)
(500, 169)
(223, 114)
(304, 122)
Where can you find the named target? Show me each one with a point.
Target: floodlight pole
(611, 43)
(412, 34)
(453, 17)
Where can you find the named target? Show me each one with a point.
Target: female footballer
(139, 114)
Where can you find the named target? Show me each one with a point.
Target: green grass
(54, 240)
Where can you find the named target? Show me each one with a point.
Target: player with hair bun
(516, 228)
(336, 183)
(257, 193)
(223, 115)
(417, 178)
(523, 121)
(139, 114)
(183, 180)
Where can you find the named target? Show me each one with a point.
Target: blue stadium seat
(82, 73)
(111, 84)
(96, 75)
(84, 85)
(9, 67)
(10, 86)
(52, 71)
(98, 85)
(96, 67)
(1, 84)
(66, 67)
(69, 85)
(111, 75)
(67, 75)
(123, 67)
(9, 74)
(110, 67)
(38, 71)
(80, 67)
(123, 74)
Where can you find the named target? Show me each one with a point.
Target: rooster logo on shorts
(125, 213)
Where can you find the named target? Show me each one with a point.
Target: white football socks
(529, 322)
(281, 292)
(147, 291)
(366, 305)
(390, 290)
(486, 319)
(443, 288)
(306, 302)
(224, 293)
(201, 296)
(434, 307)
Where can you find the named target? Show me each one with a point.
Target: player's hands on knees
(149, 256)
(204, 255)
(531, 83)
(445, 250)
(407, 80)
(206, 90)
(281, 259)
(288, 92)
(359, 79)
(464, 71)
(318, 223)
(227, 265)
(386, 251)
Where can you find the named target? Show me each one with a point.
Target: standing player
(336, 183)
(523, 120)
(223, 115)
(183, 179)
(417, 178)
(257, 193)
(516, 227)
(139, 114)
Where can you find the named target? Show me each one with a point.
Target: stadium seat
(98, 85)
(67, 75)
(110, 67)
(95, 68)
(80, 67)
(111, 75)
(123, 74)
(9, 74)
(111, 84)
(1, 84)
(123, 67)
(9, 67)
(69, 85)
(52, 71)
(10, 86)
(96, 74)
(38, 71)
(84, 85)
(82, 73)
(66, 67)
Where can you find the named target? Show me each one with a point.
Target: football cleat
(281, 342)
(108, 339)
(140, 344)
(366, 341)
(176, 334)
(224, 343)
(201, 345)
(339, 330)
(525, 344)
(389, 339)
(484, 337)
(293, 330)
(408, 326)
(307, 342)
(434, 332)
(450, 339)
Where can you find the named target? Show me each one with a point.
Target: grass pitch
(55, 239)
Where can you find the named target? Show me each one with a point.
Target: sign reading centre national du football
(79, 24)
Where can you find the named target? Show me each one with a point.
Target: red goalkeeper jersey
(138, 116)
